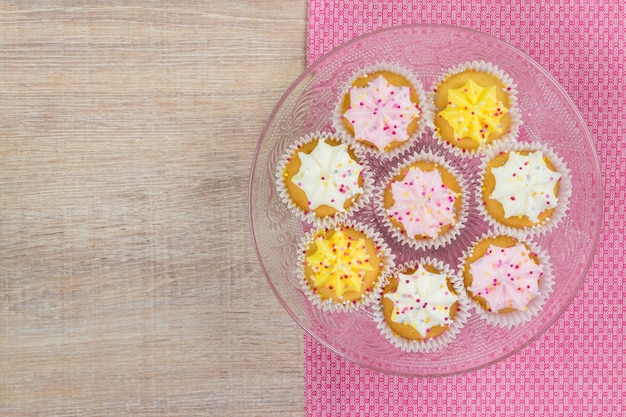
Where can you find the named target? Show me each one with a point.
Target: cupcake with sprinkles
(423, 202)
(524, 188)
(323, 178)
(422, 307)
(475, 105)
(383, 109)
(343, 267)
(507, 280)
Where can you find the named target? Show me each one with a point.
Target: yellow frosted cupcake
(475, 105)
(342, 267)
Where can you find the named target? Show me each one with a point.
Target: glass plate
(548, 116)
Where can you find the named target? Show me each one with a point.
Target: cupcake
(423, 202)
(475, 105)
(323, 179)
(383, 109)
(342, 267)
(422, 307)
(524, 188)
(506, 279)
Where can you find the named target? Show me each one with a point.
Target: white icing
(328, 176)
(422, 300)
(525, 185)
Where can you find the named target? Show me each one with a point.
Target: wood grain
(128, 282)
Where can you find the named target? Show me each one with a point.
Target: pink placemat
(576, 368)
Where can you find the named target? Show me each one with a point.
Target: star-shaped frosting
(328, 176)
(525, 185)
(339, 263)
(422, 300)
(381, 112)
(474, 111)
(423, 204)
(506, 277)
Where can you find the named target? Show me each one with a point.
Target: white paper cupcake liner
(565, 189)
(398, 233)
(535, 305)
(330, 305)
(516, 120)
(425, 106)
(434, 343)
(310, 216)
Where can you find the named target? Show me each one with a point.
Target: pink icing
(423, 204)
(506, 277)
(381, 112)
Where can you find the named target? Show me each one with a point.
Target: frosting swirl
(474, 111)
(328, 176)
(339, 263)
(524, 185)
(422, 300)
(423, 204)
(506, 277)
(381, 112)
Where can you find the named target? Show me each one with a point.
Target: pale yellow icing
(474, 112)
(339, 263)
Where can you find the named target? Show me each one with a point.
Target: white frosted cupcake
(475, 105)
(423, 202)
(383, 109)
(524, 188)
(342, 268)
(507, 280)
(422, 307)
(323, 179)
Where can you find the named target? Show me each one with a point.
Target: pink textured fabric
(577, 367)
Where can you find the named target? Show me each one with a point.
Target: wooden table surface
(128, 280)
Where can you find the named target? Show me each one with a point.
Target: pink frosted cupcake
(423, 202)
(383, 109)
(506, 279)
